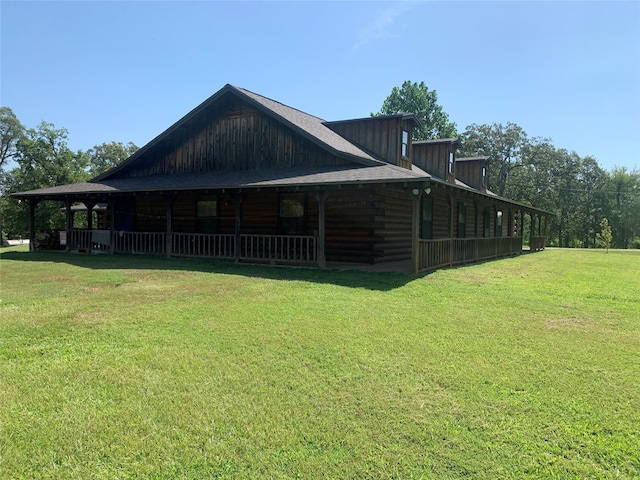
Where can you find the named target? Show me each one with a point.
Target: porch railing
(434, 253)
(438, 253)
(537, 243)
(280, 248)
(203, 245)
(89, 240)
(276, 248)
(153, 243)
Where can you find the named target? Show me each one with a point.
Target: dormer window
(451, 163)
(484, 176)
(405, 143)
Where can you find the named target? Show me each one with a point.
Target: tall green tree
(44, 160)
(11, 130)
(592, 180)
(508, 146)
(623, 206)
(413, 97)
(108, 155)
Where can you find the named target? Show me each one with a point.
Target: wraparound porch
(280, 249)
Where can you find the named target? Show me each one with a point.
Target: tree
(44, 160)
(604, 238)
(11, 130)
(418, 99)
(623, 206)
(108, 155)
(592, 182)
(508, 146)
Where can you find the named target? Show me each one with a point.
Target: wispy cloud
(382, 25)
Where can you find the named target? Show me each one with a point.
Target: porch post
(112, 224)
(451, 241)
(32, 223)
(322, 198)
(415, 229)
(539, 225)
(169, 199)
(476, 233)
(510, 225)
(90, 206)
(238, 230)
(68, 222)
(532, 231)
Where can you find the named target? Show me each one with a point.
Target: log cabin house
(246, 178)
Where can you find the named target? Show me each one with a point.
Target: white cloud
(382, 25)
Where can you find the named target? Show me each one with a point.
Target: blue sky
(125, 71)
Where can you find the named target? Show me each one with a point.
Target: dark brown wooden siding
(393, 224)
(470, 172)
(433, 158)
(350, 226)
(441, 213)
(150, 214)
(380, 136)
(237, 138)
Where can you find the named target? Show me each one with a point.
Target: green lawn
(124, 367)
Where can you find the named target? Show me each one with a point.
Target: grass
(121, 367)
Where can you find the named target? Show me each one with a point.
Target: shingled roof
(313, 127)
(308, 126)
(299, 176)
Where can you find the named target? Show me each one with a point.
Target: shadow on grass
(381, 281)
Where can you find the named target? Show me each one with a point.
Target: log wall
(394, 224)
(350, 219)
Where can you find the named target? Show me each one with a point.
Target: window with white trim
(405, 143)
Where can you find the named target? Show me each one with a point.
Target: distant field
(116, 367)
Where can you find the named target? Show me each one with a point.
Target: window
(462, 220)
(292, 214)
(487, 222)
(484, 176)
(207, 214)
(451, 163)
(499, 223)
(405, 143)
(426, 218)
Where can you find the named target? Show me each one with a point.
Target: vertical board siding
(233, 139)
(380, 136)
(470, 172)
(433, 158)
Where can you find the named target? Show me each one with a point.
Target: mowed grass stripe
(123, 366)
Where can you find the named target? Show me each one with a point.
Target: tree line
(529, 170)
(43, 159)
